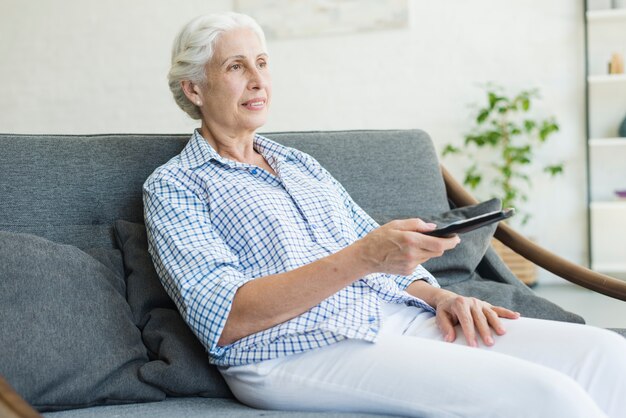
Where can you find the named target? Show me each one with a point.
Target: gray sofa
(87, 330)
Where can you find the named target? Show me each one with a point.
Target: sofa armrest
(574, 273)
(12, 405)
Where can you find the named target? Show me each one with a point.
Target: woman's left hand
(476, 318)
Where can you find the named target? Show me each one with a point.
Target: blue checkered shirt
(214, 224)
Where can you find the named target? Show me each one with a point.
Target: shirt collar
(198, 151)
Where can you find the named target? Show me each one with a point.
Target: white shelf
(606, 15)
(607, 79)
(608, 226)
(607, 153)
(607, 142)
(609, 267)
(618, 204)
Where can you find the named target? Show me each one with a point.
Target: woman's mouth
(254, 104)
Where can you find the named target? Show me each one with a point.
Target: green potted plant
(501, 146)
(501, 149)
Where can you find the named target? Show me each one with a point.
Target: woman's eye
(235, 66)
(262, 64)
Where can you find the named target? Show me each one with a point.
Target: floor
(597, 309)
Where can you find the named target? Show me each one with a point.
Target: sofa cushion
(110, 258)
(456, 270)
(458, 264)
(68, 339)
(144, 291)
(180, 365)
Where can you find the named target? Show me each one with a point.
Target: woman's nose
(257, 80)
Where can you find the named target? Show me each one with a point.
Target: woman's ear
(192, 91)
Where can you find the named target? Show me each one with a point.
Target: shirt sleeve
(197, 268)
(364, 224)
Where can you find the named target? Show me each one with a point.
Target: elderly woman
(304, 302)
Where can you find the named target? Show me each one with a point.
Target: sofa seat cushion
(193, 408)
(68, 339)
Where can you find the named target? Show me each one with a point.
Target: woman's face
(239, 88)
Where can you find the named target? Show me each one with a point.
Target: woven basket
(523, 269)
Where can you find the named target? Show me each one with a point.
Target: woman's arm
(221, 304)
(395, 248)
(267, 301)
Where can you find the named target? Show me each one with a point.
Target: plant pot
(524, 270)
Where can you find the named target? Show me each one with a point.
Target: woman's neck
(233, 147)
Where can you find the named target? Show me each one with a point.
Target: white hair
(194, 47)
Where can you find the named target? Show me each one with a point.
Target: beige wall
(94, 66)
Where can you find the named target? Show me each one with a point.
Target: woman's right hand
(398, 247)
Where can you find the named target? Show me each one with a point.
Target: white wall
(93, 66)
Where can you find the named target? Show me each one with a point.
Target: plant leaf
(554, 170)
(482, 116)
(493, 99)
(529, 125)
(547, 128)
(472, 177)
(450, 149)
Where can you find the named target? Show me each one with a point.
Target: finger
(505, 313)
(481, 323)
(466, 321)
(438, 245)
(424, 226)
(494, 320)
(446, 326)
(414, 225)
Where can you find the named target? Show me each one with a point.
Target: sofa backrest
(71, 189)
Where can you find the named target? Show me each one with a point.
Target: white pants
(537, 369)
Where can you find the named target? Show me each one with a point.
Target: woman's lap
(410, 371)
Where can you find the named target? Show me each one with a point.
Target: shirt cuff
(419, 274)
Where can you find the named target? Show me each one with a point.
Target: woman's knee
(604, 352)
(544, 392)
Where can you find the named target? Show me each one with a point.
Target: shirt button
(253, 171)
(313, 226)
(374, 329)
(371, 318)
